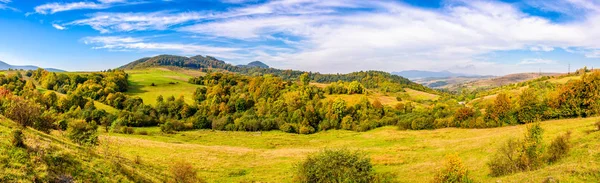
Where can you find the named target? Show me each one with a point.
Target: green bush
(559, 147)
(167, 127)
(127, 130)
(453, 171)
(330, 166)
(82, 132)
(17, 138)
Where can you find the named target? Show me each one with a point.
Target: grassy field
(410, 156)
(167, 83)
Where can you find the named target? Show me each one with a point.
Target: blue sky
(334, 36)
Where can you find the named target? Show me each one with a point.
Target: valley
(166, 115)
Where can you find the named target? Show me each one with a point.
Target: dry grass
(419, 95)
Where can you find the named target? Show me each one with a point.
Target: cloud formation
(117, 43)
(536, 61)
(344, 36)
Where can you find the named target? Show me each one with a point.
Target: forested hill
(371, 79)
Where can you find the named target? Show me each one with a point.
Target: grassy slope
(88, 164)
(140, 81)
(411, 156)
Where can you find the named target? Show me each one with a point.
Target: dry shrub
(559, 148)
(184, 172)
(453, 171)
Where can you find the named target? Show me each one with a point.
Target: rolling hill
(258, 68)
(5, 66)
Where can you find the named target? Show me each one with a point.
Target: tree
(500, 110)
(355, 88)
(305, 79)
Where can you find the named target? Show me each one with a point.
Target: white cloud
(51, 8)
(59, 27)
(108, 22)
(4, 6)
(116, 43)
(536, 61)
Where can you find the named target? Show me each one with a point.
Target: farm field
(408, 156)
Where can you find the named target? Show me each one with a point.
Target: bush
(517, 155)
(453, 172)
(142, 132)
(167, 127)
(336, 166)
(184, 172)
(506, 160)
(82, 132)
(559, 148)
(17, 138)
(127, 130)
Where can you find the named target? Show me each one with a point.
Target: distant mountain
(5, 66)
(417, 74)
(258, 64)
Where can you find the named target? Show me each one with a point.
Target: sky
(335, 36)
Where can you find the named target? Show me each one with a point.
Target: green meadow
(166, 83)
(408, 156)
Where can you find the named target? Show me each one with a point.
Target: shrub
(288, 127)
(184, 172)
(127, 130)
(142, 132)
(559, 147)
(453, 171)
(506, 160)
(335, 166)
(167, 127)
(82, 132)
(17, 138)
(517, 155)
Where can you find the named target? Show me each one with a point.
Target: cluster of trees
(340, 87)
(238, 102)
(44, 112)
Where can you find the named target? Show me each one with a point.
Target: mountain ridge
(6, 66)
(419, 74)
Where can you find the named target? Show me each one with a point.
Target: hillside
(258, 68)
(54, 158)
(407, 156)
(499, 81)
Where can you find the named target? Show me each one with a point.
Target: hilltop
(258, 64)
